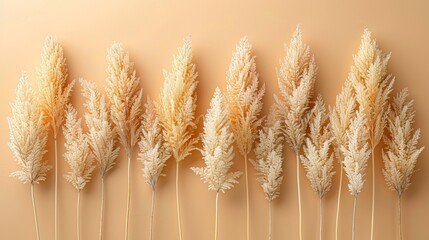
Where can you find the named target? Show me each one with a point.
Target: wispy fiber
(177, 110)
(217, 151)
(401, 152)
(296, 78)
(244, 98)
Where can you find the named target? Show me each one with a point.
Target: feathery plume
(296, 78)
(317, 159)
(217, 151)
(102, 136)
(401, 153)
(269, 160)
(154, 152)
(125, 105)
(78, 155)
(54, 94)
(177, 110)
(245, 104)
(340, 117)
(356, 153)
(28, 136)
(372, 86)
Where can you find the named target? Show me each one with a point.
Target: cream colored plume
(317, 158)
(217, 149)
(102, 136)
(244, 96)
(153, 150)
(28, 134)
(401, 152)
(125, 96)
(269, 156)
(53, 87)
(296, 78)
(77, 152)
(178, 103)
(356, 153)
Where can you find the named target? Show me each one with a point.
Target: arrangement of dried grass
(317, 159)
(245, 105)
(28, 136)
(102, 136)
(177, 110)
(401, 153)
(154, 152)
(217, 151)
(78, 156)
(54, 97)
(269, 160)
(296, 78)
(125, 104)
(372, 86)
(340, 117)
(356, 153)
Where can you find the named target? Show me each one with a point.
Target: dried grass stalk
(217, 151)
(401, 152)
(28, 136)
(372, 86)
(78, 156)
(245, 104)
(317, 158)
(340, 117)
(296, 78)
(356, 153)
(102, 136)
(125, 105)
(154, 152)
(269, 160)
(54, 97)
(177, 110)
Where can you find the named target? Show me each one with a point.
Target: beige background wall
(151, 31)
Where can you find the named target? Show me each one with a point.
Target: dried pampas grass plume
(269, 160)
(28, 136)
(296, 78)
(372, 86)
(154, 152)
(177, 110)
(125, 105)
(317, 158)
(102, 136)
(340, 117)
(217, 151)
(54, 97)
(356, 153)
(245, 104)
(401, 152)
(78, 156)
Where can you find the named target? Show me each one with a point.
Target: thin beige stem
(151, 215)
(270, 220)
(320, 218)
(216, 215)
(354, 217)
(56, 189)
(128, 194)
(373, 194)
(177, 200)
(400, 216)
(247, 199)
(299, 194)
(338, 203)
(36, 222)
(101, 210)
(78, 215)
